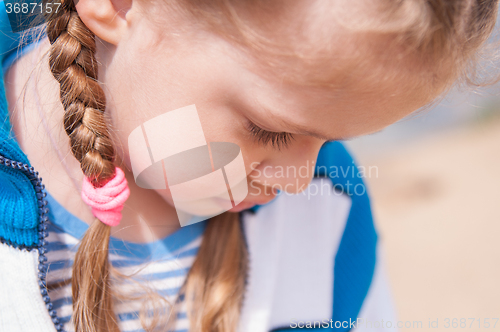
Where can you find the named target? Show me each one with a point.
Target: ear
(105, 18)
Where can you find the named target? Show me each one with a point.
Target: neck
(36, 115)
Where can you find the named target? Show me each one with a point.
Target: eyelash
(277, 140)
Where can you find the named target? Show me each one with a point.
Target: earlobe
(105, 18)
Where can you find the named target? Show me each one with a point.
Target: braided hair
(73, 64)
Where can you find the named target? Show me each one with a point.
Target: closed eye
(278, 140)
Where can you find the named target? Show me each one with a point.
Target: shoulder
(19, 201)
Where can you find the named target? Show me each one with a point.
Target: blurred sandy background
(436, 203)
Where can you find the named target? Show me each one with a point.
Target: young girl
(89, 249)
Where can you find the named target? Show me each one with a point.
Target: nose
(289, 170)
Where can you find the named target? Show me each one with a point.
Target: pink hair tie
(107, 201)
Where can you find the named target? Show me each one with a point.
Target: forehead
(360, 107)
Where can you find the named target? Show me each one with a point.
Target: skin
(228, 87)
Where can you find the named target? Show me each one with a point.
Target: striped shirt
(161, 265)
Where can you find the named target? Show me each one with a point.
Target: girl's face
(242, 101)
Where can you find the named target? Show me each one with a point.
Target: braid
(72, 63)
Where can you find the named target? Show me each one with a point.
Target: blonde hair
(445, 31)
(440, 36)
